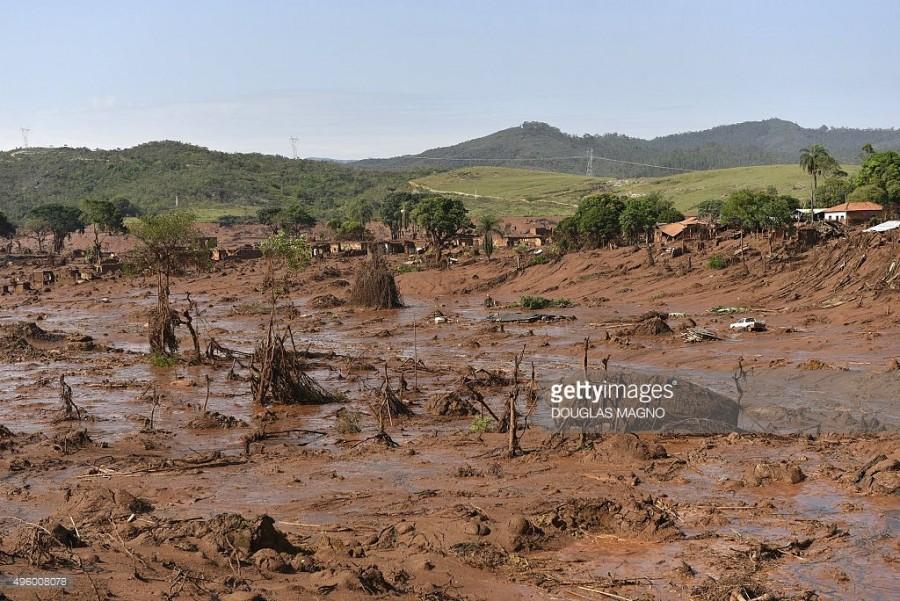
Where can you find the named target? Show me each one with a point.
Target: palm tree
(816, 161)
(487, 225)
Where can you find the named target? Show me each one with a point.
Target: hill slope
(152, 174)
(506, 191)
(769, 142)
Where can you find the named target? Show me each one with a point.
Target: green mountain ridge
(768, 142)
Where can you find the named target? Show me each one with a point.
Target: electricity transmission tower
(294, 146)
(25, 131)
(590, 163)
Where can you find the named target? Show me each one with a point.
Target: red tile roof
(850, 207)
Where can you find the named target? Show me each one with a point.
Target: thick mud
(169, 482)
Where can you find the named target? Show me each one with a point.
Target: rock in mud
(270, 560)
(128, 502)
(767, 473)
(325, 301)
(632, 447)
(522, 535)
(481, 554)
(637, 518)
(881, 474)
(476, 528)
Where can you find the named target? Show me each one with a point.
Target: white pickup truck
(748, 324)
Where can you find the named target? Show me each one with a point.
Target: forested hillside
(769, 142)
(152, 175)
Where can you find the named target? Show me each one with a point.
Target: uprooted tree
(168, 244)
(277, 370)
(374, 286)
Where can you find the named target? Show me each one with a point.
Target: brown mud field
(138, 481)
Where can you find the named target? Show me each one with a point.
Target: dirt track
(798, 514)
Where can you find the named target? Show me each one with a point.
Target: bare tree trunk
(514, 448)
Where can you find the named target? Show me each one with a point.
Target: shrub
(348, 422)
(480, 424)
(163, 361)
(717, 262)
(540, 302)
(539, 260)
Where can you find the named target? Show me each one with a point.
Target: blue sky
(353, 79)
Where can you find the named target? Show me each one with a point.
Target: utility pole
(294, 146)
(590, 163)
(25, 131)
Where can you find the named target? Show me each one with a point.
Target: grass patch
(480, 424)
(717, 262)
(408, 269)
(540, 302)
(162, 361)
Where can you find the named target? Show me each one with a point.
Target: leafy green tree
(868, 193)
(349, 230)
(106, 218)
(595, 223)
(229, 220)
(360, 210)
(487, 226)
(127, 208)
(395, 210)
(834, 190)
(167, 244)
(865, 152)
(752, 210)
(284, 252)
(269, 216)
(294, 217)
(816, 161)
(442, 218)
(641, 215)
(709, 209)
(58, 220)
(882, 169)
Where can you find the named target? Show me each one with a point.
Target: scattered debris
(699, 335)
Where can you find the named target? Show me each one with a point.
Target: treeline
(603, 219)
(151, 176)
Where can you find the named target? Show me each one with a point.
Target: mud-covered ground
(149, 496)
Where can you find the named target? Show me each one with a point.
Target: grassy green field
(506, 191)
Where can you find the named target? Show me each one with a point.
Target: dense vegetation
(772, 141)
(152, 175)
